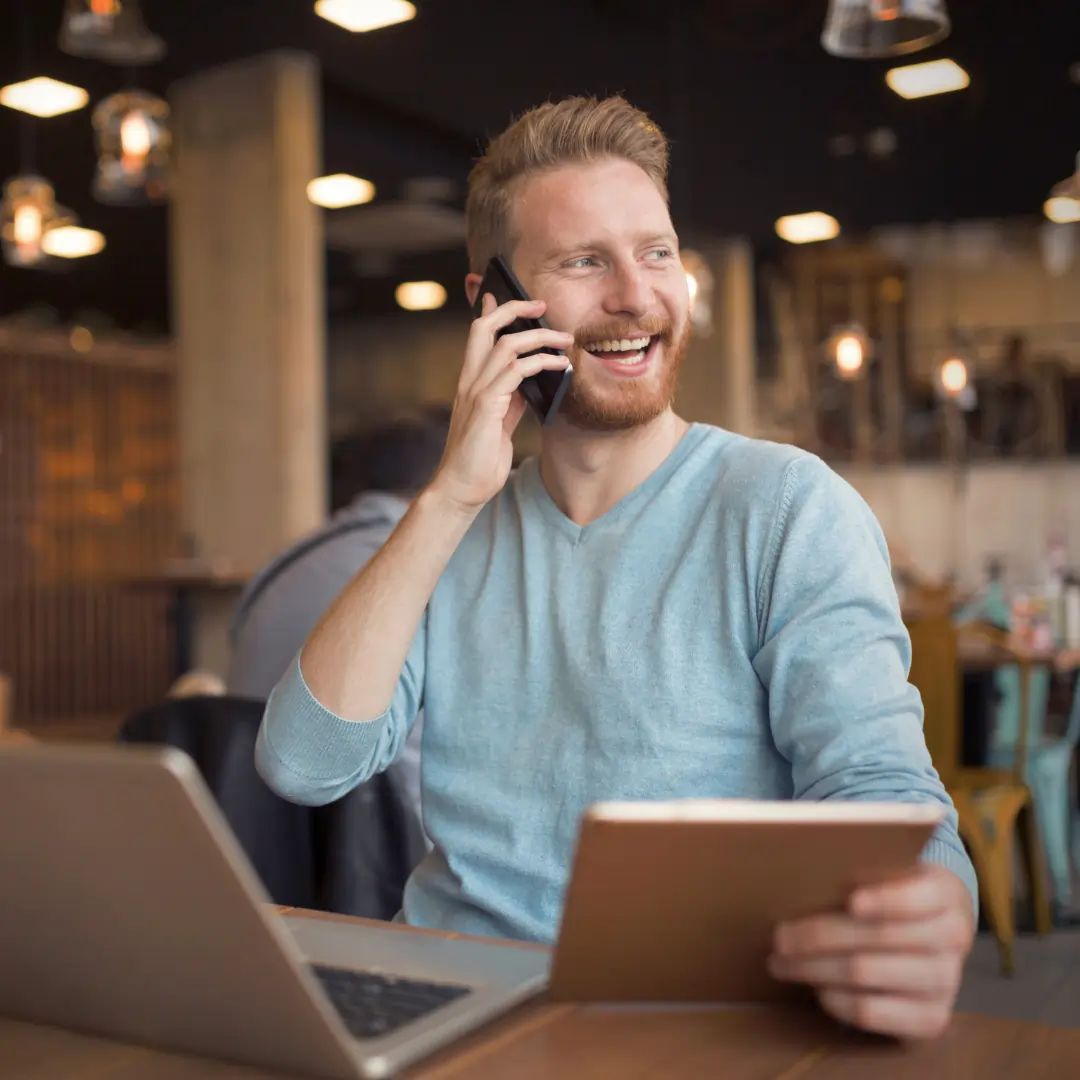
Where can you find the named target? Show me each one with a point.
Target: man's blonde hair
(573, 131)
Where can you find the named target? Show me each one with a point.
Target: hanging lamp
(110, 30)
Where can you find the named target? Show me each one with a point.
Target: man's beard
(621, 404)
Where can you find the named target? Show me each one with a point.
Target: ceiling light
(865, 29)
(807, 228)
(1062, 210)
(133, 141)
(1063, 206)
(420, 295)
(28, 211)
(334, 192)
(109, 30)
(43, 97)
(359, 16)
(923, 80)
(72, 242)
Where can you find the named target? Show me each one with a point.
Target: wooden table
(541, 1041)
(185, 586)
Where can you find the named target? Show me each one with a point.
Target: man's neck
(587, 472)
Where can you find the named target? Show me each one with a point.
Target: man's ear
(472, 287)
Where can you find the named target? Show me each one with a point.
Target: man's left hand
(893, 962)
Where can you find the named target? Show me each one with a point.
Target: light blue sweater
(729, 629)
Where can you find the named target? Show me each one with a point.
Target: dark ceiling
(750, 99)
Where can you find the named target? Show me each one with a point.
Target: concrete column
(247, 259)
(719, 375)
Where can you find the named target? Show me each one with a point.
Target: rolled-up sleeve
(309, 755)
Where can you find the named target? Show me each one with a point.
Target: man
(652, 610)
(374, 475)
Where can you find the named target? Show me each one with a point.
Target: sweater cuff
(941, 853)
(310, 741)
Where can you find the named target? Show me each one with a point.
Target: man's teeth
(619, 345)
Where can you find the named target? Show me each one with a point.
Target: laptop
(129, 910)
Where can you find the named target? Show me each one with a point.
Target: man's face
(596, 243)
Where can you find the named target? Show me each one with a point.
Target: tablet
(678, 901)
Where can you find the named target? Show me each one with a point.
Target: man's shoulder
(758, 474)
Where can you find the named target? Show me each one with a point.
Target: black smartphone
(545, 390)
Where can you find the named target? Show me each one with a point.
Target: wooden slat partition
(88, 498)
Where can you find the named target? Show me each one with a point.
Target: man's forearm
(354, 656)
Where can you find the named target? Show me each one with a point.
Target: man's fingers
(920, 975)
(829, 934)
(888, 1014)
(482, 335)
(510, 378)
(927, 893)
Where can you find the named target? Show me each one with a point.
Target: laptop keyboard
(372, 1005)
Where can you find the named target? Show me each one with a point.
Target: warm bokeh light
(691, 286)
(360, 16)
(1062, 210)
(44, 97)
(954, 376)
(850, 354)
(807, 228)
(82, 340)
(27, 225)
(923, 80)
(420, 295)
(72, 242)
(136, 140)
(341, 189)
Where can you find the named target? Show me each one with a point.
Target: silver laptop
(128, 909)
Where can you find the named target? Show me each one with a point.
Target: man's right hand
(487, 408)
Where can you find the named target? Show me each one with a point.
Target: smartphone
(545, 390)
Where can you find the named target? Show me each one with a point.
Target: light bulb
(849, 354)
(954, 376)
(27, 225)
(135, 139)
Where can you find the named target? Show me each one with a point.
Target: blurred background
(233, 234)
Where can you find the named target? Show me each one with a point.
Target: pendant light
(109, 30)
(28, 211)
(1063, 206)
(868, 29)
(133, 142)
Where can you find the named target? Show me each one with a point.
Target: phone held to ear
(545, 390)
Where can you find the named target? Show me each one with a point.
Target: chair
(1046, 770)
(1046, 764)
(991, 804)
(352, 856)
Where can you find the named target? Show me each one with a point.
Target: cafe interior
(233, 235)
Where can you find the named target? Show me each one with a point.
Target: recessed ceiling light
(72, 242)
(341, 189)
(807, 228)
(43, 97)
(923, 80)
(1062, 210)
(420, 295)
(359, 16)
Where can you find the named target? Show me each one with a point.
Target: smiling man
(651, 610)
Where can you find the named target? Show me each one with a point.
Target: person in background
(651, 610)
(373, 477)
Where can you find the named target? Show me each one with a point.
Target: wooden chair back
(935, 673)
